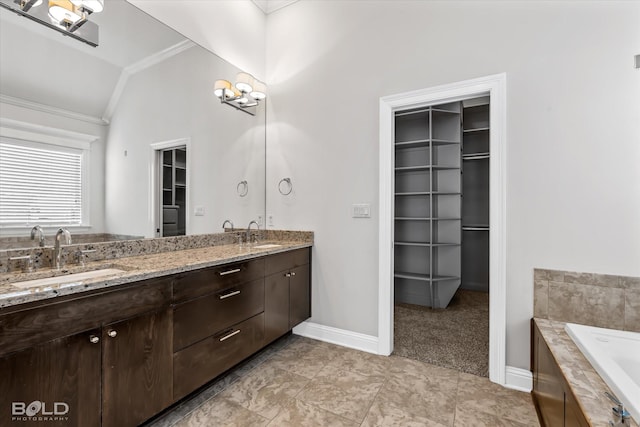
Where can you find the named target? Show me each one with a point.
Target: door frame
(155, 186)
(496, 87)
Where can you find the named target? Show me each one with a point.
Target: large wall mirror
(143, 92)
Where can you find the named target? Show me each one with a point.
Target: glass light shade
(220, 86)
(243, 100)
(64, 11)
(244, 82)
(259, 90)
(94, 6)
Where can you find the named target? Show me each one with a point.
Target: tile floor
(301, 382)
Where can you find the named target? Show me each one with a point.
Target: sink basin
(69, 278)
(267, 246)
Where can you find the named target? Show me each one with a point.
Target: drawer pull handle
(226, 337)
(235, 270)
(230, 294)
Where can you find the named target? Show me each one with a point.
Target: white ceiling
(269, 6)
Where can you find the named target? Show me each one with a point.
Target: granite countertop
(135, 268)
(587, 385)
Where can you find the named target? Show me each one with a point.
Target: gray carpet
(456, 337)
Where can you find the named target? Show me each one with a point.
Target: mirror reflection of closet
(173, 169)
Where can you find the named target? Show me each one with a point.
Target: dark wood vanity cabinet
(287, 292)
(554, 401)
(119, 356)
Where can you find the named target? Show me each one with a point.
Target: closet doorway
(442, 225)
(441, 234)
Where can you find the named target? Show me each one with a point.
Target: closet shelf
(475, 156)
(423, 277)
(407, 218)
(482, 129)
(475, 228)
(426, 244)
(427, 193)
(424, 168)
(442, 110)
(418, 143)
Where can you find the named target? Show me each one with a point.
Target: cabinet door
(60, 378)
(137, 369)
(299, 296)
(548, 390)
(276, 306)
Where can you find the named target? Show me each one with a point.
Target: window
(41, 184)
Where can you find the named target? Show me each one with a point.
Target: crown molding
(20, 102)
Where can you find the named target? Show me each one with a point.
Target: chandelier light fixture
(244, 96)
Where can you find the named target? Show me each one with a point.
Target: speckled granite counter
(136, 268)
(587, 386)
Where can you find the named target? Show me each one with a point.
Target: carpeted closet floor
(456, 337)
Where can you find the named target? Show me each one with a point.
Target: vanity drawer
(286, 260)
(200, 363)
(197, 283)
(199, 318)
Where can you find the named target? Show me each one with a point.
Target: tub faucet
(620, 414)
(37, 231)
(57, 249)
(248, 237)
(227, 221)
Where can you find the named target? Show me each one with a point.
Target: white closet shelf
(426, 244)
(475, 156)
(442, 110)
(427, 193)
(423, 277)
(407, 218)
(475, 228)
(482, 129)
(424, 143)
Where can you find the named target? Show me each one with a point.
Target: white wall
(227, 146)
(96, 161)
(232, 29)
(573, 126)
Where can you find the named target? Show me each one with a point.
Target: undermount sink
(68, 278)
(267, 246)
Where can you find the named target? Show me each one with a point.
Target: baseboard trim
(519, 379)
(342, 337)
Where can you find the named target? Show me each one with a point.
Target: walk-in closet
(441, 234)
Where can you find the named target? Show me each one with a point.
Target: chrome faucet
(225, 223)
(57, 249)
(248, 237)
(37, 231)
(620, 414)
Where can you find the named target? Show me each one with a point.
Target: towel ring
(285, 189)
(242, 188)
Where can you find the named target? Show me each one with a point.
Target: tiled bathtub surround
(601, 300)
(109, 250)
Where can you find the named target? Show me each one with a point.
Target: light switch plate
(362, 210)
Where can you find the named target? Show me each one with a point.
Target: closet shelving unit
(427, 236)
(174, 175)
(475, 192)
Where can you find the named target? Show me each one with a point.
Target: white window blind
(40, 184)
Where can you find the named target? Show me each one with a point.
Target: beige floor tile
(220, 412)
(305, 357)
(422, 390)
(470, 417)
(264, 388)
(344, 393)
(387, 414)
(361, 363)
(296, 413)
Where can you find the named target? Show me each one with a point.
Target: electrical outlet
(199, 211)
(270, 220)
(259, 221)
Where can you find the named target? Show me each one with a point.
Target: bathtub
(615, 355)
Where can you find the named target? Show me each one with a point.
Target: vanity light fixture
(244, 96)
(69, 17)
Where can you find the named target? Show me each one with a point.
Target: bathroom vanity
(126, 348)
